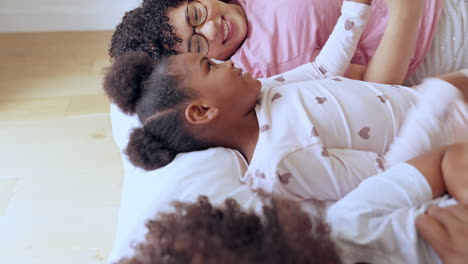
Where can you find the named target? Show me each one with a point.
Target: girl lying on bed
(302, 138)
(378, 222)
(286, 126)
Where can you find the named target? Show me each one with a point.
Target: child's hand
(446, 230)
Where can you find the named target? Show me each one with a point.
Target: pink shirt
(284, 34)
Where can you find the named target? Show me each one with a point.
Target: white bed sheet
(214, 173)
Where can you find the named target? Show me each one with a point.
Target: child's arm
(334, 58)
(430, 165)
(455, 172)
(337, 52)
(377, 216)
(425, 124)
(339, 171)
(392, 58)
(446, 170)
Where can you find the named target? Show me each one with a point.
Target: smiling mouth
(226, 30)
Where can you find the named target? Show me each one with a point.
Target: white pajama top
(321, 135)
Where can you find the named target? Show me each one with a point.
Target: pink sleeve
(334, 58)
(284, 34)
(289, 33)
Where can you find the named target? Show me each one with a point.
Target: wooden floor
(60, 172)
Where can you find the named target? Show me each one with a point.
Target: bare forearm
(430, 165)
(455, 171)
(446, 170)
(391, 60)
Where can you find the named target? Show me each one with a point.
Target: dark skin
(446, 170)
(224, 112)
(446, 229)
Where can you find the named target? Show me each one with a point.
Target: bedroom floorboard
(60, 171)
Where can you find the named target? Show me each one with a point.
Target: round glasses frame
(196, 37)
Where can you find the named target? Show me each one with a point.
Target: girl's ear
(200, 114)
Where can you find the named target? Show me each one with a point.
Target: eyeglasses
(196, 15)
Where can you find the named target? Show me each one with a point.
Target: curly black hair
(202, 233)
(146, 29)
(139, 84)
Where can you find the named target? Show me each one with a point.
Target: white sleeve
(375, 223)
(425, 126)
(337, 52)
(334, 58)
(315, 172)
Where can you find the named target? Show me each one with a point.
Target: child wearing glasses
(270, 37)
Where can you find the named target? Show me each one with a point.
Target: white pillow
(214, 173)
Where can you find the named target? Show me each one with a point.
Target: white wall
(62, 15)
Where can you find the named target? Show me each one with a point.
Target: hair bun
(124, 79)
(146, 152)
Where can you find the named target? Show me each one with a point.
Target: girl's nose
(209, 29)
